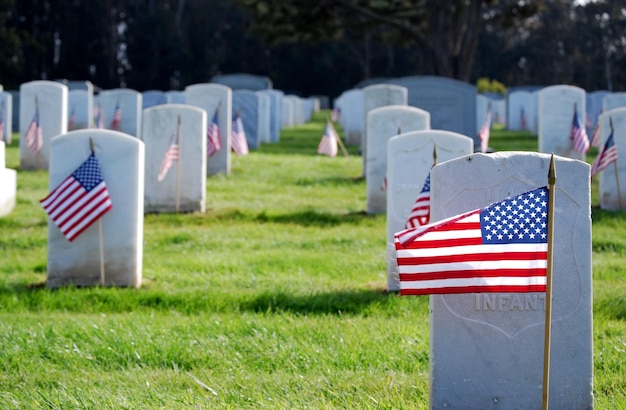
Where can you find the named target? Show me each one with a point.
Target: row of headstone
(8, 184)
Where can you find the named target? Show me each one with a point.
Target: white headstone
(121, 159)
(608, 189)
(382, 124)
(49, 98)
(556, 112)
(594, 107)
(264, 116)
(6, 116)
(150, 98)
(289, 111)
(80, 110)
(498, 111)
(130, 105)
(175, 97)
(486, 349)
(209, 97)
(613, 100)
(276, 113)
(521, 111)
(482, 104)
(352, 118)
(8, 185)
(183, 187)
(409, 159)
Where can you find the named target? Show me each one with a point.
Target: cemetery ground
(273, 298)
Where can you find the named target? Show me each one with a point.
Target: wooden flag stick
(619, 193)
(178, 167)
(100, 240)
(548, 320)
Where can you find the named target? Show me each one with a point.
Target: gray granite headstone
(382, 124)
(130, 103)
(556, 111)
(80, 110)
(175, 97)
(451, 103)
(183, 188)
(243, 81)
(482, 104)
(77, 263)
(247, 103)
(486, 349)
(15, 97)
(288, 114)
(51, 99)
(8, 185)
(6, 112)
(352, 115)
(608, 189)
(409, 159)
(209, 97)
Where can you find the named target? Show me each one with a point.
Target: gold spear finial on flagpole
(548, 319)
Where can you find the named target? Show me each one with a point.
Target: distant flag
(238, 142)
(522, 119)
(475, 252)
(595, 136)
(579, 135)
(420, 214)
(328, 143)
(80, 200)
(383, 186)
(170, 156)
(116, 121)
(72, 121)
(606, 156)
(335, 114)
(214, 139)
(99, 117)
(34, 133)
(484, 131)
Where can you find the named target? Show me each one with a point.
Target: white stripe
(480, 265)
(465, 282)
(83, 206)
(51, 199)
(94, 214)
(472, 249)
(65, 199)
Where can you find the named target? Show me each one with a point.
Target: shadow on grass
(37, 297)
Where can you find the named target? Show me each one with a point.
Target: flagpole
(100, 240)
(548, 320)
(178, 167)
(343, 148)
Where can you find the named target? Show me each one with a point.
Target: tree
(446, 31)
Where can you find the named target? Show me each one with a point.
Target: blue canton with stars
(426, 187)
(89, 174)
(519, 219)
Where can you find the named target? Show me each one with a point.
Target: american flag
(238, 142)
(383, 186)
(500, 248)
(34, 133)
(579, 135)
(595, 136)
(522, 119)
(328, 143)
(606, 156)
(72, 120)
(170, 156)
(98, 117)
(420, 214)
(335, 114)
(80, 200)
(116, 121)
(214, 139)
(483, 135)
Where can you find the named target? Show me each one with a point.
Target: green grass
(273, 298)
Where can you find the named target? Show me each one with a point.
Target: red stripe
(474, 289)
(440, 243)
(62, 198)
(92, 205)
(472, 273)
(107, 209)
(66, 207)
(473, 257)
